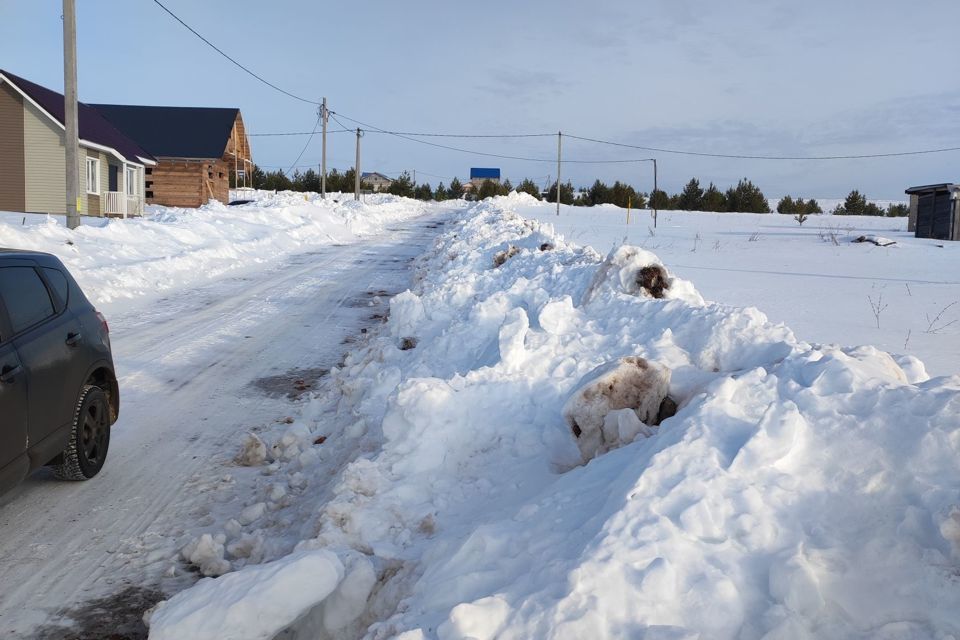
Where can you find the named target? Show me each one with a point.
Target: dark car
(58, 391)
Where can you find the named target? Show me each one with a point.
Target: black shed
(935, 211)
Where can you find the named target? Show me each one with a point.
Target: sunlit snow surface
(801, 491)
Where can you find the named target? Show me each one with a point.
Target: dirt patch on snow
(115, 617)
(292, 384)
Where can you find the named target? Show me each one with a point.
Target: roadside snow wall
(799, 491)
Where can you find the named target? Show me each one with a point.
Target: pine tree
(258, 179)
(423, 192)
(402, 186)
(714, 200)
(441, 193)
(691, 198)
(599, 193)
(659, 199)
(747, 198)
(786, 205)
(813, 206)
(566, 193)
(506, 187)
(854, 205)
(456, 189)
(529, 186)
(488, 189)
(898, 210)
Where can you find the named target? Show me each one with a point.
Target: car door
(46, 341)
(13, 406)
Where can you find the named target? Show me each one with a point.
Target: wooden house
(197, 149)
(33, 157)
(377, 181)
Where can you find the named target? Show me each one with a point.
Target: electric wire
(317, 124)
(225, 55)
(740, 156)
(413, 136)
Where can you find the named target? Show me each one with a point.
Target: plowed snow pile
(172, 247)
(797, 492)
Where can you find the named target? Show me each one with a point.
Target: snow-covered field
(801, 490)
(811, 277)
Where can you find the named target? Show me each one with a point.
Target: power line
(297, 133)
(316, 124)
(221, 52)
(764, 157)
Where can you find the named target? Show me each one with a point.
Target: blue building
(479, 174)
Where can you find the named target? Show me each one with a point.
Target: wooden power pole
(71, 142)
(323, 162)
(559, 138)
(356, 177)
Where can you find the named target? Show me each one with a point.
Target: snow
(801, 489)
(170, 248)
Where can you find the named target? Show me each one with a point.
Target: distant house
(479, 174)
(377, 181)
(197, 149)
(935, 211)
(33, 157)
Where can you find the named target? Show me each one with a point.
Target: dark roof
(946, 186)
(92, 126)
(483, 172)
(374, 174)
(174, 132)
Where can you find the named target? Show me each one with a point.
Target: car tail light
(103, 322)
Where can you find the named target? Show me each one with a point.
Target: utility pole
(356, 177)
(654, 190)
(559, 138)
(323, 162)
(414, 177)
(71, 143)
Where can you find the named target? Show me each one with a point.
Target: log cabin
(198, 150)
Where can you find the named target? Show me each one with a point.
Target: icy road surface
(188, 365)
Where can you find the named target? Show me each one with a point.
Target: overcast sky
(755, 77)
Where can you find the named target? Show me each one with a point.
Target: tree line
(744, 197)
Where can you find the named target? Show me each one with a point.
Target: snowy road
(187, 364)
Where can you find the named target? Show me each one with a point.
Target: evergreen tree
(746, 197)
(714, 200)
(258, 178)
(456, 189)
(659, 199)
(277, 181)
(813, 206)
(506, 187)
(347, 181)
(898, 210)
(441, 193)
(691, 198)
(566, 193)
(854, 205)
(488, 189)
(529, 186)
(423, 192)
(402, 186)
(786, 205)
(599, 193)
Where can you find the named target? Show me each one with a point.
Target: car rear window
(59, 283)
(25, 297)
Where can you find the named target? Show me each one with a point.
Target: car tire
(89, 438)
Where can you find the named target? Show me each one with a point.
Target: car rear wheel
(89, 439)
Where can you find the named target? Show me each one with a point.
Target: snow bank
(799, 491)
(169, 247)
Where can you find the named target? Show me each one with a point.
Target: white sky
(743, 76)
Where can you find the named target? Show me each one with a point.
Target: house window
(131, 179)
(93, 175)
